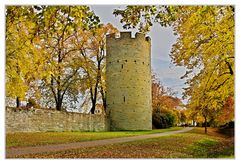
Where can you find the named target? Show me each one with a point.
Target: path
(59, 147)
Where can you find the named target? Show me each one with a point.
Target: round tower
(128, 82)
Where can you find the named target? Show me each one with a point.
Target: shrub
(162, 120)
(32, 103)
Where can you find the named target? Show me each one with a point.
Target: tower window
(122, 66)
(143, 62)
(125, 60)
(124, 99)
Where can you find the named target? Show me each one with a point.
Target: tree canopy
(55, 52)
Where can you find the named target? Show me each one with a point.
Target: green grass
(44, 138)
(199, 148)
(193, 144)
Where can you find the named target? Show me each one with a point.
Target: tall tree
(58, 26)
(163, 97)
(23, 61)
(93, 51)
(206, 48)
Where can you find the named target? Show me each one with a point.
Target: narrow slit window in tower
(122, 66)
(124, 99)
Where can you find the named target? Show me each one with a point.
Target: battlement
(128, 35)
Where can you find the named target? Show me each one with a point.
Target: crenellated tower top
(129, 35)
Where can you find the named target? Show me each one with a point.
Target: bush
(162, 120)
(228, 125)
(32, 103)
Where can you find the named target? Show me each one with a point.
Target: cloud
(162, 41)
(166, 69)
(169, 75)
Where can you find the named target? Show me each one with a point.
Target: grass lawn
(44, 138)
(192, 144)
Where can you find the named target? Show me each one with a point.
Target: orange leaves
(227, 113)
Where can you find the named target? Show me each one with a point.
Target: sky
(162, 39)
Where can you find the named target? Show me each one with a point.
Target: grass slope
(193, 144)
(44, 138)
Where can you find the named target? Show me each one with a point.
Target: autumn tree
(227, 113)
(165, 105)
(163, 96)
(93, 50)
(206, 46)
(54, 28)
(23, 59)
(66, 63)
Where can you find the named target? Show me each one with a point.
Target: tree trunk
(59, 101)
(104, 104)
(93, 107)
(94, 98)
(103, 99)
(59, 106)
(205, 124)
(229, 67)
(18, 102)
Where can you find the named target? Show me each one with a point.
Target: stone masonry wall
(40, 120)
(128, 80)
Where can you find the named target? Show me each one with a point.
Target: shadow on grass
(218, 143)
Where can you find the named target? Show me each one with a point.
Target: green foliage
(143, 17)
(163, 119)
(164, 105)
(32, 103)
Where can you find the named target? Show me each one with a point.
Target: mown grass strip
(44, 138)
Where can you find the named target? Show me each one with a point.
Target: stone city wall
(42, 120)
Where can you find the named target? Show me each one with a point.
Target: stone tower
(128, 79)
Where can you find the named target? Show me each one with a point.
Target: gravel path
(59, 147)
